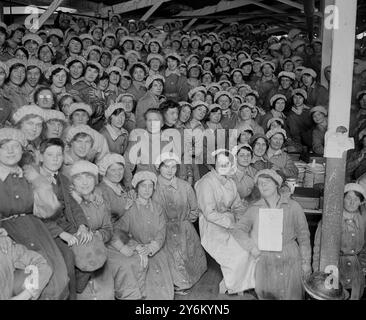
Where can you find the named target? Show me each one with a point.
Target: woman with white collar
(221, 207)
(26, 198)
(278, 271)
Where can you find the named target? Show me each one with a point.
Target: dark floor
(208, 286)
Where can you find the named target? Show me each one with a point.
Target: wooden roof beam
(298, 6)
(130, 6)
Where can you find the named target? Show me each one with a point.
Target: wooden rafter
(150, 12)
(297, 5)
(130, 6)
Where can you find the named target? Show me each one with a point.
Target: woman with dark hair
(278, 275)
(194, 75)
(74, 47)
(4, 54)
(185, 112)
(90, 94)
(13, 85)
(76, 66)
(34, 77)
(280, 159)
(23, 194)
(113, 131)
(245, 173)
(260, 145)
(21, 53)
(176, 86)
(139, 72)
(351, 266)
(155, 86)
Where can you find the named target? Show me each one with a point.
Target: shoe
(181, 292)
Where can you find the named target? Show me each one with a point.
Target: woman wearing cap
(12, 88)
(128, 101)
(74, 47)
(155, 87)
(194, 75)
(214, 117)
(277, 274)
(112, 168)
(245, 119)
(223, 65)
(80, 141)
(113, 131)
(34, 76)
(352, 241)
(268, 80)
(113, 90)
(154, 46)
(55, 123)
(90, 94)
(280, 159)
(76, 67)
(46, 54)
(221, 207)
(278, 105)
(318, 95)
(58, 75)
(176, 86)
(155, 63)
(285, 80)
(30, 120)
(23, 193)
(299, 122)
(319, 116)
(44, 98)
(229, 118)
(122, 271)
(245, 173)
(186, 257)
(146, 223)
(32, 42)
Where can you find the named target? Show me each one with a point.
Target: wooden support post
(339, 115)
(149, 13)
(326, 36)
(190, 24)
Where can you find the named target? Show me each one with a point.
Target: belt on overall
(13, 217)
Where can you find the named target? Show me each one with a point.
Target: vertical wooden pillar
(1, 11)
(339, 115)
(326, 36)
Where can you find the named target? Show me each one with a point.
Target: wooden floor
(208, 286)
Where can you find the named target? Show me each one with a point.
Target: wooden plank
(129, 6)
(298, 6)
(190, 24)
(149, 13)
(221, 6)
